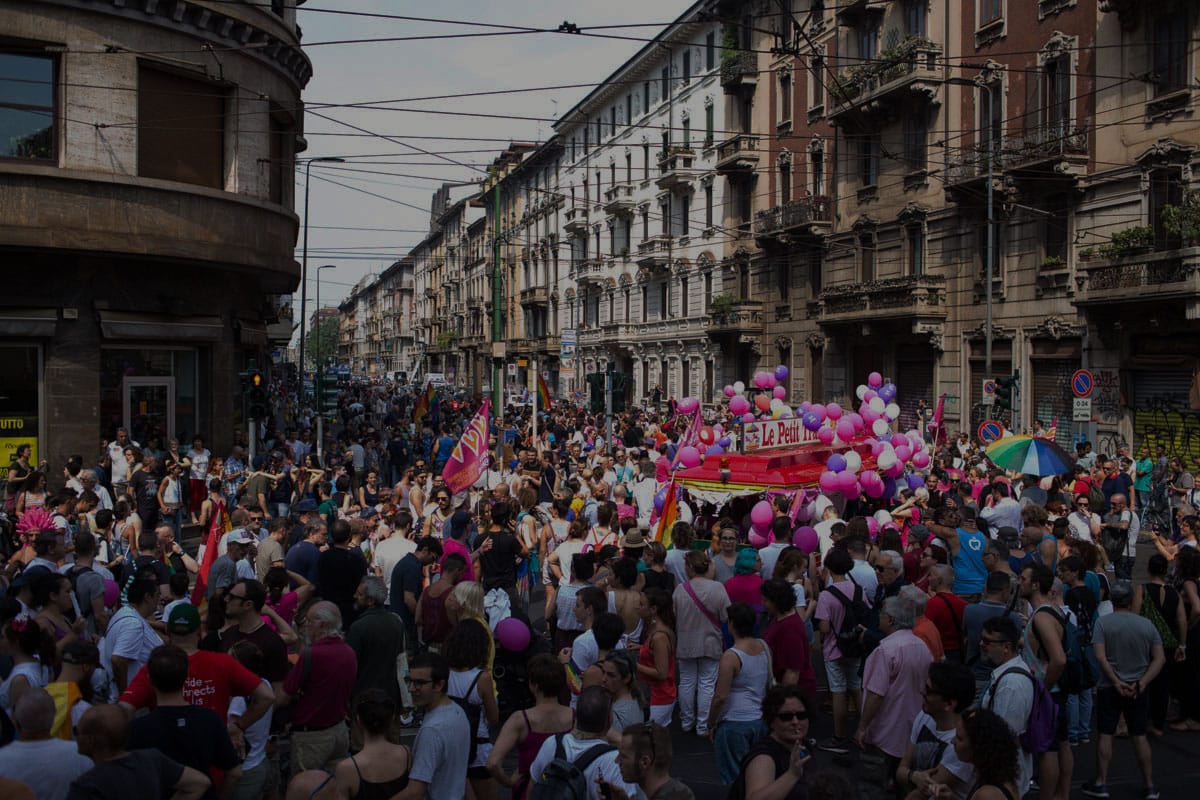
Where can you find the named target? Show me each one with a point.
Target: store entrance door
(149, 408)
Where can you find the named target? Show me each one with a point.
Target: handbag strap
(687, 587)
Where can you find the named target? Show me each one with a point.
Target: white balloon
(879, 427)
(886, 459)
(861, 391)
(883, 517)
(776, 403)
(892, 410)
(853, 461)
(739, 387)
(877, 405)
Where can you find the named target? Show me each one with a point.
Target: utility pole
(497, 325)
(304, 261)
(608, 381)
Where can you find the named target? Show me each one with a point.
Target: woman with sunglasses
(774, 767)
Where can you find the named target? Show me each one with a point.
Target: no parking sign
(990, 430)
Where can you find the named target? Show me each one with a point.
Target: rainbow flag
(669, 515)
(423, 402)
(543, 393)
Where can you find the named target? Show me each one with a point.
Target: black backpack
(473, 713)
(73, 573)
(856, 619)
(563, 779)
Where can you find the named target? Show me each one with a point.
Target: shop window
(181, 128)
(28, 110)
(20, 375)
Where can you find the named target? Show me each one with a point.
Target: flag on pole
(936, 426)
(1052, 431)
(208, 553)
(421, 408)
(668, 516)
(471, 456)
(435, 406)
(543, 393)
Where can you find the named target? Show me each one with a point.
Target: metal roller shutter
(914, 380)
(1051, 397)
(1161, 414)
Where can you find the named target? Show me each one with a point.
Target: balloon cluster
(770, 404)
(761, 517)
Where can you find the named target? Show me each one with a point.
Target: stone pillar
(72, 394)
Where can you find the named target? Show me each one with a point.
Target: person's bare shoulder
(15, 790)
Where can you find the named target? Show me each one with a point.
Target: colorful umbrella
(1030, 455)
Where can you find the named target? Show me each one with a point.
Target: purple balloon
(715, 449)
(887, 437)
(887, 392)
(781, 373)
(660, 498)
(810, 420)
(836, 462)
(724, 442)
(805, 538)
(747, 417)
(889, 487)
(512, 634)
(915, 482)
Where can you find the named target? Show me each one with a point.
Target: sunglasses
(788, 716)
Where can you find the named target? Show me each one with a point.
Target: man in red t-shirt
(213, 678)
(945, 610)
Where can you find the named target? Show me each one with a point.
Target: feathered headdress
(35, 520)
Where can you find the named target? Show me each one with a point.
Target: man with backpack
(1130, 653)
(1013, 696)
(841, 642)
(576, 765)
(439, 759)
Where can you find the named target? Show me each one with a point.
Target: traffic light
(618, 392)
(1006, 389)
(328, 396)
(256, 394)
(596, 392)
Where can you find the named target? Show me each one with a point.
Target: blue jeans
(733, 741)
(1079, 715)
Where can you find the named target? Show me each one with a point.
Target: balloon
(825, 435)
(828, 481)
(845, 430)
(776, 403)
(810, 420)
(805, 538)
(714, 450)
(870, 395)
(112, 592)
(779, 392)
(886, 437)
(718, 429)
(806, 405)
(739, 405)
(888, 392)
(872, 527)
(915, 482)
(891, 410)
(769, 381)
(760, 380)
(820, 411)
(886, 459)
(804, 513)
(689, 457)
(833, 411)
(835, 463)
(758, 540)
(879, 427)
(512, 634)
(889, 487)
(903, 453)
(687, 405)
(739, 387)
(762, 513)
(877, 405)
(724, 442)
(896, 470)
(874, 380)
(857, 421)
(853, 461)
(920, 459)
(877, 448)
(728, 390)
(781, 373)
(872, 485)
(848, 484)
(860, 392)
(747, 417)
(706, 435)
(660, 498)
(762, 402)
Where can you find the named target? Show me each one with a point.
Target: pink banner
(471, 456)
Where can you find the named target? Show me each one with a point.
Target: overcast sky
(376, 72)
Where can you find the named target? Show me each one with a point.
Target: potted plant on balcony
(1183, 220)
(1138, 239)
(1053, 263)
(722, 305)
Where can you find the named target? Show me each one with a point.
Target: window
(687, 131)
(815, 274)
(572, 148)
(817, 168)
(628, 167)
(612, 121)
(665, 83)
(1170, 52)
(629, 109)
(599, 130)
(687, 66)
(914, 17)
(866, 257)
(665, 210)
(664, 300)
(785, 183)
(868, 160)
(27, 107)
(645, 303)
(645, 160)
(627, 305)
(785, 22)
(282, 154)
(785, 97)
(710, 51)
(708, 290)
(1056, 98)
(646, 96)
(1166, 188)
(816, 66)
(586, 134)
(709, 125)
(645, 223)
(181, 129)
(708, 206)
(990, 11)
(744, 201)
(1057, 222)
(914, 238)
(685, 209)
(868, 40)
(991, 119)
(916, 134)
(783, 276)
(683, 296)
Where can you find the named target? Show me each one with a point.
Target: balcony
(1171, 275)
(619, 199)
(671, 328)
(546, 344)
(654, 252)
(920, 297)
(739, 69)
(588, 270)
(575, 221)
(740, 321)
(967, 167)
(536, 295)
(1058, 150)
(809, 216)
(738, 155)
(675, 167)
(900, 75)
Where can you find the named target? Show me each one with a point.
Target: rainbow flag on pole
(422, 405)
(543, 393)
(471, 455)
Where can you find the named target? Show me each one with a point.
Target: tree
(326, 334)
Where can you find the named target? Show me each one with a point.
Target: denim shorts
(842, 674)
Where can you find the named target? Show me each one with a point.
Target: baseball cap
(28, 576)
(459, 521)
(184, 618)
(1009, 535)
(238, 536)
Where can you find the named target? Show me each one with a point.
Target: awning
(135, 325)
(28, 322)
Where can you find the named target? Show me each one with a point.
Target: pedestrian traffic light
(256, 394)
(1005, 389)
(596, 392)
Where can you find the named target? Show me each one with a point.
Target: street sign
(1082, 410)
(989, 392)
(1082, 383)
(990, 430)
(512, 370)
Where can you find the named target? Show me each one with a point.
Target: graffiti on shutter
(1161, 415)
(1051, 395)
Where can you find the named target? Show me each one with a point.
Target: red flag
(936, 425)
(470, 456)
(208, 553)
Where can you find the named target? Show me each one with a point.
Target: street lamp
(317, 328)
(304, 259)
(982, 83)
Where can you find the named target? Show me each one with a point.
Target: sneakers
(1151, 793)
(1097, 790)
(835, 744)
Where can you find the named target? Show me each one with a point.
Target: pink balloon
(688, 404)
(769, 381)
(920, 459)
(895, 470)
(512, 634)
(874, 489)
(833, 411)
(903, 453)
(828, 481)
(870, 395)
(757, 540)
(762, 513)
(728, 390)
(779, 392)
(874, 380)
(747, 417)
(872, 526)
(877, 447)
(825, 435)
(760, 380)
(856, 420)
(739, 405)
(689, 457)
(845, 430)
(819, 410)
(847, 481)
(868, 415)
(805, 538)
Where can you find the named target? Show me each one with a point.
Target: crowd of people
(353, 628)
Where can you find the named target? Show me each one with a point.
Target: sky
(395, 202)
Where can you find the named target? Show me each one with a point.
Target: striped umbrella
(1030, 455)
